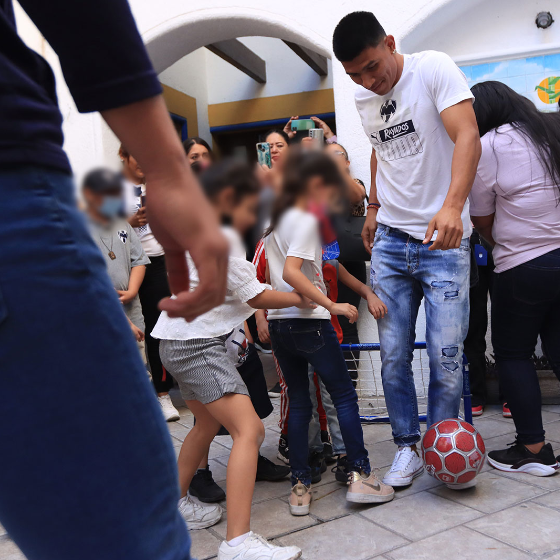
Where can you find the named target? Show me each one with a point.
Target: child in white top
(303, 337)
(195, 354)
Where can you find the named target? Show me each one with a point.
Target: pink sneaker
(506, 412)
(477, 410)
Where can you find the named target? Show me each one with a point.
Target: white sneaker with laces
(170, 413)
(199, 516)
(406, 466)
(255, 547)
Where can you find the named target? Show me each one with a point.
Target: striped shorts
(202, 368)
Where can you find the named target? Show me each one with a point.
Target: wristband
(375, 205)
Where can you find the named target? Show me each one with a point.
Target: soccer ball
(453, 452)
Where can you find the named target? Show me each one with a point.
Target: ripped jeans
(403, 271)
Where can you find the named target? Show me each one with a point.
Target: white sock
(238, 540)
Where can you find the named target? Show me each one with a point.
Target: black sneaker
(283, 450)
(275, 392)
(517, 458)
(318, 466)
(267, 470)
(204, 488)
(340, 470)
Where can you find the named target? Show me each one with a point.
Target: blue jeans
(403, 271)
(296, 344)
(526, 304)
(315, 442)
(88, 469)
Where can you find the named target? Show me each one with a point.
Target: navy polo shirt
(103, 60)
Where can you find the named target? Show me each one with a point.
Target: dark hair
(123, 152)
(497, 104)
(230, 173)
(277, 131)
(102, 180)
(196, 140)
(354, 33)
(302, 166)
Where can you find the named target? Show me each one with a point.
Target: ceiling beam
(317, 62)
(242, 57)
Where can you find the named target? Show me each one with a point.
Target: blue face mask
(111, 206)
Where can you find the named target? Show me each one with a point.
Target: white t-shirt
(412, 147)
(242, 286)
(296, 235)
(133, 203)
(512, 183)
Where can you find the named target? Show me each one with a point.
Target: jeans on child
(297, 343)
(88, 468)
(403, 271)
(315, 442)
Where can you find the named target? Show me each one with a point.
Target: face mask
(111, 206)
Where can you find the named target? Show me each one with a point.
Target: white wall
(285, 73)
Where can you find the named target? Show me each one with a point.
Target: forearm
(297, 279)
(260, 316)
(463, 169)
(353, 283)
(271, 299)
(356, 193)
(136, 278)
(373, 184)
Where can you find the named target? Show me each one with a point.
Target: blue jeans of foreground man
(526, 304)
(403, 271)
(88, 470)
(297, 343)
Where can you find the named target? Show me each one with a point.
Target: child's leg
(196, 444)
(204, 463)
(236, 413)
(332, 420)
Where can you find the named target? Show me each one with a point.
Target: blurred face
(105, 206)
(322, 194)
(339, 156)
(278, 148)
(244, 214)
(375, 68)
(200, 154)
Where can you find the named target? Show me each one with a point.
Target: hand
(349, 311)
(449, 226)
(139, 219)
(308, 143)
(288, 128)
(126, 296)
(323, 125)
(264, 334)
(138, 333)
(370, 226)
(305, 302)
(376, 307)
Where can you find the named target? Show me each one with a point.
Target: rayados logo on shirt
(388, 109)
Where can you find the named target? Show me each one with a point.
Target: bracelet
(375, 205)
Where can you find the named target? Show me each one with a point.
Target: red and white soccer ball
(453, 451)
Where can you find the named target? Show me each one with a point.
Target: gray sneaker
(199, 516)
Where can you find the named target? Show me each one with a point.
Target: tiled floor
(505, 517)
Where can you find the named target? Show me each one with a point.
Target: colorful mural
(536, 77)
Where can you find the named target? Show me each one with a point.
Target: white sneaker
(255, 547)
(170, 413)
(199, 516)
(406, 466)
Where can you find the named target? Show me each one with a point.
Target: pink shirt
(512, 182)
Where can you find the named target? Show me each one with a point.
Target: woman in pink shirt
(515, 205)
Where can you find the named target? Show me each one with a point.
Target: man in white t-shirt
(417, 113)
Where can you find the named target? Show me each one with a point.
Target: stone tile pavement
(505, 517)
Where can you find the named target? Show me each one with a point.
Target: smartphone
(302, 124)
(318, 136)
(263, 154)
(143, 200)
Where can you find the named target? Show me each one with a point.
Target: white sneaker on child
(256, 547)
(406, 466)
(170, 413)
(199, 516)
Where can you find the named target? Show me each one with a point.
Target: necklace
(112, 255)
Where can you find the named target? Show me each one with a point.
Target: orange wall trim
(183, 105)
(270, 108)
